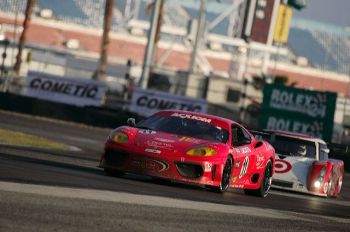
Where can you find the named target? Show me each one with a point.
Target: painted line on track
(110, 196)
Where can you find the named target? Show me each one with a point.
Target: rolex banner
(298, 110)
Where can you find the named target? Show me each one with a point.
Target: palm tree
(22, 40)
(107, 22)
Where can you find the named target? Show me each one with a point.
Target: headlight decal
(202, 151)
(119, 137)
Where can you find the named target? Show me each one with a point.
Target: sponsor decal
(237, 150)
(150, 165)
(165, 140)
(207, 167)
(245, 150)
(151, 150)
(188, 139)
(147, 132)
(182, 159)
(152, 143)
(238, 186)
(238, 164)
(282, 166)
(244, 167)
(190, 116)
(234, 179)
(260, 162)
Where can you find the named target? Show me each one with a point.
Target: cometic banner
(148, 102)
(73, 91)
(298, 110)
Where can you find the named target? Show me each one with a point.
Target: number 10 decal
(244, 167)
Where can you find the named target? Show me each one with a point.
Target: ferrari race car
(302, 164)
(193, 148)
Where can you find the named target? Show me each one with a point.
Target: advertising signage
(73, 91)
(147, 102)
(298, 110)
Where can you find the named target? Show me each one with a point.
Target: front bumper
(197, 170)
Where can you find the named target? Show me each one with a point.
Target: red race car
(194, 148)
(302, 164)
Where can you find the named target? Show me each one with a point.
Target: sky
(328, 11)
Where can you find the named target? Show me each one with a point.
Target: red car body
(163, 147)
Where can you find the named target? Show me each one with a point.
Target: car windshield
(183, 126)
(289, 146)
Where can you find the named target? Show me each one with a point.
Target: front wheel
(265, 185)
(225, 178)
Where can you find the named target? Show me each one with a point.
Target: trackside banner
(73, 91)
(298, 110)
(147, 102)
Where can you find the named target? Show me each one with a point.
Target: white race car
(302, 164)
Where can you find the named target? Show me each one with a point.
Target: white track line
(110, 196)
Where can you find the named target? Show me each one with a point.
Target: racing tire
(225, 178)
(114, 173)
(265, 185)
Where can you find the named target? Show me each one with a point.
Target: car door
(244, 159)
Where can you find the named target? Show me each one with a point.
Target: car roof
(296, 135)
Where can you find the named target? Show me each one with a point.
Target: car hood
(162, 141)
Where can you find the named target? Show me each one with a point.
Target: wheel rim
(225, 181)
(267, 179)
(340, 182)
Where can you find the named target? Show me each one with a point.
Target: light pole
(199, 35)
(150, 49)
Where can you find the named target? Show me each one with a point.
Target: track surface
(51, 190)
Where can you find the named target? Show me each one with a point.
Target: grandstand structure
(327, 45)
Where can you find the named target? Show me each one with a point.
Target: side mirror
(131, 122)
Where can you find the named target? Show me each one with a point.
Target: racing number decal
(244, 167)
(282, 166)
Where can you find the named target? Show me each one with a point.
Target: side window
(323, 151)
(239, 136)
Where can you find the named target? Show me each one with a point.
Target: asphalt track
(43, 190)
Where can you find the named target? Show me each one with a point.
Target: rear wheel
(330, 186)
(225, 178)
(265, 184)
(114, 173)
(340, 182)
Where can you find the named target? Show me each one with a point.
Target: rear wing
(262, 135)
(338, 149)
(335, 149)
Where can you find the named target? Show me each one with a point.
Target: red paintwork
(173, 150)
(330, 186)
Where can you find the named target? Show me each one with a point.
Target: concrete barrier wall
(94, 116)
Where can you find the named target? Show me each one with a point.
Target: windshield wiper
(144, 127)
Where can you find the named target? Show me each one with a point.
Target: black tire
(114, 173)
(265, 185)
(225, 178)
